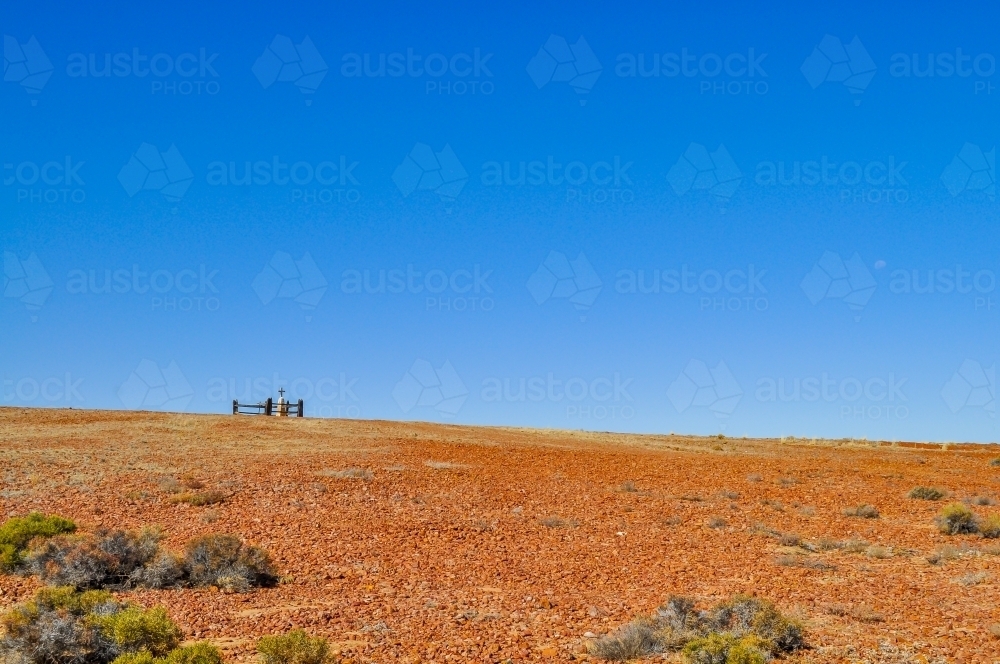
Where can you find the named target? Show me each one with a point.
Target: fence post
(267, 406)
(236, 406)
(299, 414)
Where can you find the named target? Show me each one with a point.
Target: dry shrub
(350, 474)
(926, 493)
(744, 630)
(862, 511)
(628, 487)
(990, 527)
(225, 562)
(716, 522)
(957, 519)
(199, 499)
(106, 559)
(64, 626)
(555, 521)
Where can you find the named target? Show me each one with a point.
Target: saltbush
(16, 533)
(224, 561)
(743, 630)
(926, 493)
(62, 625)
(295, 647)
(957, 519)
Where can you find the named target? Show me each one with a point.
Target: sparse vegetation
(555, 521)
(979, 500)
(350, 474)
(862, 512)
(716, 522)
(62, 626)
(995, 462)
(744, 630)
(199, 499)
(805, 562)
(754, 477)
(118, 559)
(18, 532)
(225, 562)
(957, 519)
(196, 653)
(990, 526)
(926, 493)
(972, 578)
(729, 495)
(295, 647)
(628, 487)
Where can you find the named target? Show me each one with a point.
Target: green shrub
(957, 519)
(724, 648)
(926, 493)
(995, 462)
(224, 561)
(16, 533)
(296, 647)
(990, 527)
(133, 629)
(196, 653)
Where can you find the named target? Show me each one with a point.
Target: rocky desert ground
(416, 542)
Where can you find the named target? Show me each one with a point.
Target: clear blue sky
(697, 219)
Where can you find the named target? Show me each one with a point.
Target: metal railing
(269, 407)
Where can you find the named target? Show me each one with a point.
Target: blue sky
(701, 220)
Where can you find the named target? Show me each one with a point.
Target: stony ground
(481, 545)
